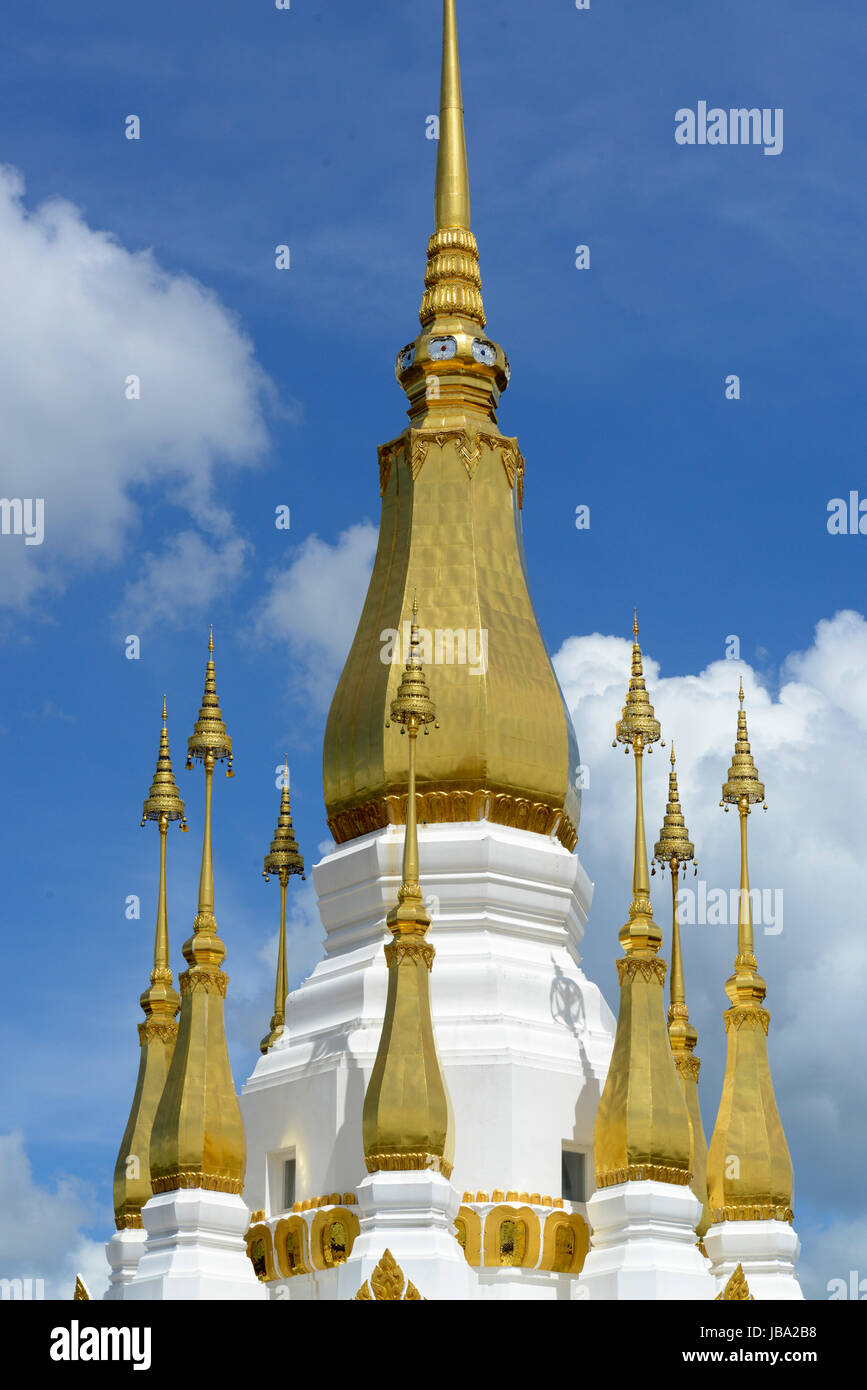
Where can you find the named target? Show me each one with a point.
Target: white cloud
(80, 315)
(182, 580)
(315, 603)
(41, 1227)
(810, 745)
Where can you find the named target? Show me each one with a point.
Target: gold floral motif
(645, 1172)
(747, 1017)
(152, 1029)
(737, 1287)
(204, 978)
(129, 1221)
(628, 967)
(388, 1281)
(396, 950)
(687, 1065)
(211, 1182)
(442, 807)
(408, 1161)
(754, 1212)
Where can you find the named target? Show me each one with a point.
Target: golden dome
(452, 492)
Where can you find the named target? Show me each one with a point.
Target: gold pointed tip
(741, 691)
(164, 710)
(211, 639)
(672, 752)
(635, 624)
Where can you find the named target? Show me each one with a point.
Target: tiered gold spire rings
(283, 860)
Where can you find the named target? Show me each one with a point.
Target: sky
(260, 388)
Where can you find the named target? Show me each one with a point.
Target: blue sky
(260, 387)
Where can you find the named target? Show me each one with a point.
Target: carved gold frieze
(378, 1162)
(449, 807)
(747, 1017)
(152, 1030)
(397, 950)
(644, 1172)
(628, 967)
(204, 978)
(211, 1182)
(687, 1065)
(751, 1212)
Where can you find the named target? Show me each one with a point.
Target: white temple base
(123, 1252)
(768, 1251)
(195, 1248)
(412, 1215)
(644, 1244)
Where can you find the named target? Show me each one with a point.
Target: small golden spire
(749, 1167)
(452, 280)
(675, 849)
(283, 859)
(406, 1120)
(198, 1136)
(642, 1126)
(159, 1002)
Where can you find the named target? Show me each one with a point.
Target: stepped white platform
(524, 1037)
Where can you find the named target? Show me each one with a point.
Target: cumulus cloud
(314, 604)
(41, 1227)
(81, 316)
(809, 741)
(182, 580)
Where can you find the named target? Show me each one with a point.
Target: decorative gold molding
(80, 1294)
(173, 1182)
(408, 1161)
(740, 1017)
(565, 1256)
(321, 1256)
(736, 1287)
(448, 807)
(388, 1282)
(629, 966)
(528, 1241)
(204, 977)
(754, 1212)
(259, 1231)
(129, 1220)
(292, 1228)
(152, 1030)
(396, 950)
(644, 1172)
(687, 1065)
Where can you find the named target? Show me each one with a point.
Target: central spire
(452, 490)
(452, 197)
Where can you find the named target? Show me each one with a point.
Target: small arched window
(513, 1242)
(564, 1248)
(257, 1255)
(334, 1244)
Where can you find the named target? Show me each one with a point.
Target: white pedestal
(768, 1251)
(644, 1244)
(195, 1248)
(123, 1253)
(412, 1215)
(524, 1037)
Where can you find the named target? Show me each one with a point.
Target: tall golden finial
(749, 1170)
(283, 859)
(160, 1002)
(406, 1120)
(675, 849)
(198, 1136)
(452, 280)
(642, 1127)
